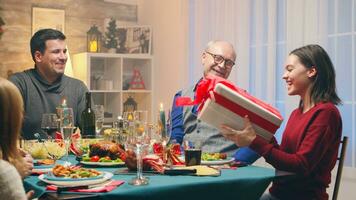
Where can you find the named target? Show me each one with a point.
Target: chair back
(341, 159)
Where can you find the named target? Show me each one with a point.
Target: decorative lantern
(130, 105)
(94, 39)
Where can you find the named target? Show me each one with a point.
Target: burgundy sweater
(309, 148)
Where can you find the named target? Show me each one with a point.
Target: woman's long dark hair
(324, 87)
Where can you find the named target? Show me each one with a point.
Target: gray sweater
(197, 131)
(11, 187)
(42, 97)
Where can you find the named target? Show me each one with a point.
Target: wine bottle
(88, 118)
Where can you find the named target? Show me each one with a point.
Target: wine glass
(128, 118)
(49, 124)
(99, 118)
(66, 119)
(139, 142)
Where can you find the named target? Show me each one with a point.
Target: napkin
(107, 187)
(202, 170)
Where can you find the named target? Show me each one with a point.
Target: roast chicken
(106, 148)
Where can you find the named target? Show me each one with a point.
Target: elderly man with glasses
(218, 59)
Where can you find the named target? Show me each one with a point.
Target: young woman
(311, 138)
(11, 159)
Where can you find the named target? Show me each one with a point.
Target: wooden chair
(341, 159)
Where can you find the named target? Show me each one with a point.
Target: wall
(169, 21)
(79, 16)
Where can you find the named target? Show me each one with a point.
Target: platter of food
(44, 150)
(104, 153)
(74, 176)
(215, 159)
(106, 163)
(43, 163)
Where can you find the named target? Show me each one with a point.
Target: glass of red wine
(50, 124)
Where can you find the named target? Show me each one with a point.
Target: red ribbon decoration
(241, 111)
(206, 85)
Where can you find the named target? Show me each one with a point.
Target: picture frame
(134, 39)
(47, 18)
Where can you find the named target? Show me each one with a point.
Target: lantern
(130, 105)
(94, 39)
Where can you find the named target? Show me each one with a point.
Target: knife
(64, 188)
(67, 188)
(174, 172)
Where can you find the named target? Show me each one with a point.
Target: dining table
(247, 182)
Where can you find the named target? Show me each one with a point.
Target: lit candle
(93, 46)
(162, 116)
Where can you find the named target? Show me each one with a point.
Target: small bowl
(46, 149)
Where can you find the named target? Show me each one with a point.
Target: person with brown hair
(12, 162)
(45, 86)
(312, 135)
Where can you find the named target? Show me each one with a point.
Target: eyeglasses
(219, 59)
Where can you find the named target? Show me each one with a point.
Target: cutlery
(67, 188)
(174, 172)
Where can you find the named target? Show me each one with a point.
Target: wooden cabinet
(112, 78)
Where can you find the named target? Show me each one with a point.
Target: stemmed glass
(139, 141)
(128, 118)
(49, 124)
(99, 118)
(66, 119)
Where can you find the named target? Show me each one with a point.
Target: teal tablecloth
(243, 183)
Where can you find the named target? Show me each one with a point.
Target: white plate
(41, 170)
(47, 168)
(58, 162)
(218, 162)
(103, 163)
(107, 176)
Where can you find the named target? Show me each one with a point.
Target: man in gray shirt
(44, 86)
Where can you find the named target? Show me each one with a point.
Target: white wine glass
(99, 118)
(140, 143)
(66, 119)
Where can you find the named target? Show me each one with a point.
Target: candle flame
(161, 106)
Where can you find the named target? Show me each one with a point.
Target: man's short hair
(38, 40)
(211, 43)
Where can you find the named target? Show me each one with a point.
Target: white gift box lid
(216, 114)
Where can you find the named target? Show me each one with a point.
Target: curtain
(263, 32)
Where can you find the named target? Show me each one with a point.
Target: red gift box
(228, 106)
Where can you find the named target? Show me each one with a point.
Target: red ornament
(137, 80)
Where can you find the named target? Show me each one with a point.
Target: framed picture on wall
(47, 18)
(134, 39)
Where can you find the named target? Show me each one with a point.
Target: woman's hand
(30, 194)
(241, 138)
(28, 165)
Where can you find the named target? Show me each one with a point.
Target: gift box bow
(205, 90)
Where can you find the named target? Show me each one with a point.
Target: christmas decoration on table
(111, 36)
(156, 161)
(169, 154)
(137, 80)
(94, 37)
